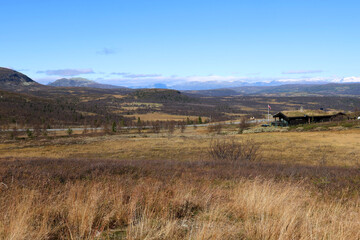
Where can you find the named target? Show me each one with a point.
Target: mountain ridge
(80, 82)
(12, 80)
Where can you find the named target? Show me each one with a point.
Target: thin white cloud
(302, 72)
(142, 75)
(67, 72)
(119, 73)
(132, 75)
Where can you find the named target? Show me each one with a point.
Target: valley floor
(303, 185)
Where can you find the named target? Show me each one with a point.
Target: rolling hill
(81, 82)
(12, 80)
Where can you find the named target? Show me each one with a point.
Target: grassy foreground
(305, 186)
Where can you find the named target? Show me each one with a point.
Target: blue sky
(182, 43)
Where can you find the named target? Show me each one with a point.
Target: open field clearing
(299, 185)
(333, 148)
(158, 116)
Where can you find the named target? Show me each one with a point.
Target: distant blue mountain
(338, 89)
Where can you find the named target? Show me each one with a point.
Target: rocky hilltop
(15, 81)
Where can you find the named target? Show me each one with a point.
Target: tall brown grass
(79, 199)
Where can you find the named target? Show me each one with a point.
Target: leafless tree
(243, 124)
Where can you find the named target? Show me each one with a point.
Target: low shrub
(232, 151)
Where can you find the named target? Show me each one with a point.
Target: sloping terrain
(80, 82)
(28, 110)
(15, 81)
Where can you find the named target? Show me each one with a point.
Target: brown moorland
(302, 185)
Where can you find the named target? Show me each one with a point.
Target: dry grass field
(302, 185)
(333, 148)
(158, 116)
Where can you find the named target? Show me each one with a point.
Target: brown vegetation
(104, 199)
(189, 186)
(230, 150)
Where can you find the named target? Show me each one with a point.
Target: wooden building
(287, 118)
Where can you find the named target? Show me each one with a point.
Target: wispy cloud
(67, 72)
(142, 75)
(302, 72)
(133, 75)
(106, 51)
(119, 73)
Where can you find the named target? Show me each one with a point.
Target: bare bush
(182, 126)
(243, 125)
(233, 151)
(156, 126)
(215, 128)
(171, 127)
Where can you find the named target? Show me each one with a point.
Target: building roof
(310, 113)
